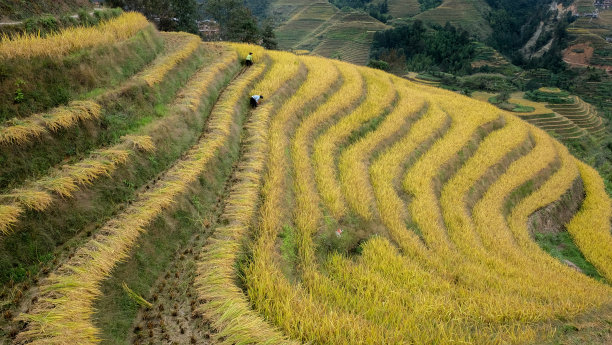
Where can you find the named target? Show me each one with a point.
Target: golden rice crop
(385, 173)
(590, 228)
(73, 38)
(353, 163)
(63, 311)
(379, 95)
(308, 215)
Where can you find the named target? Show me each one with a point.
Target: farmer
(249, 59)
(255, 99)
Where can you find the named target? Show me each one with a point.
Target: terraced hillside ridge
(322, 29)
(467, 14)
(350, 207)
(404, 8)
(17, 9)
(572, 116)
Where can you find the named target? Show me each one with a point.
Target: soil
(579, 59)
(583, 59)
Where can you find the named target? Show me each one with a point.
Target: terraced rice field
(323, 30)
(468, 14)
(350, 207)
(404, 8)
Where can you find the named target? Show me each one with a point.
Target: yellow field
(362, 208)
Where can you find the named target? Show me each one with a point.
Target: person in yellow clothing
(249, 59)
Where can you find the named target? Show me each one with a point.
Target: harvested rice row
(590, 228)
(65, 304)
(379, 96)
(64, 181)
(156, 74)
(353, 163)
(24, 131)
(226, 305)
(71, 39)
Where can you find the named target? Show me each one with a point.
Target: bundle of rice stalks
(9, 215)
(66, 117)
(17, 131)
(142, 143)
(20, 131)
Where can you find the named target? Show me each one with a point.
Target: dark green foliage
(382, 65)
(236, 21)
(514, 22)
(429, 4)
(549, 97)
(186, 12)
(173, 15)
(259, 8)
(268, 36)
(561, 246)
(378, 10)
(443, 48)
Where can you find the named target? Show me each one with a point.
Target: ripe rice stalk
(9, 215)
(379, 95)
(142, 143)
(66, 117)
(114, 155)
(136, 297)
(353, 162)
(64, 186)
(30, 198)
(20, 132)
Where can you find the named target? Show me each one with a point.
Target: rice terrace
(145, 202)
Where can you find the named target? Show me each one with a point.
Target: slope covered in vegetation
(350, 207)
(19, 9)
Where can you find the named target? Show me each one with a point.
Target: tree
(173, 15)
(186, 14)
(236, 21)
(268, 37)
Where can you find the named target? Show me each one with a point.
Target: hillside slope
(321, 29)
(466, 14)
(350, 206)
(18, 9)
